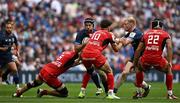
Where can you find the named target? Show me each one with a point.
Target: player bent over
(49, 75)
(152, 43)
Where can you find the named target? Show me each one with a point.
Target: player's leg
(86, 78)
(139, 83)
(96, 79)
(60, 89)
(110, 80)
(58, 92)
(37, 82)
(9, 70)
(85, 81)
(103, 77)
(16, 77)
(13, 68)
(5, 75)
(165, 67)
(121, 78)
(146, 88)
(139, 78)
(94, 76)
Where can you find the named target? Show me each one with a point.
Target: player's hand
(122, 40)
(170, 65)
(117, 40)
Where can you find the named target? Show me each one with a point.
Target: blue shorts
(5, 59)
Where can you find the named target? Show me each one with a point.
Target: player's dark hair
(8, 21)
(105, 23)
(157, 23)
(89, 20)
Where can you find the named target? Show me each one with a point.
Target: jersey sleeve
(111, 38)
(79, 38)
(15, 41)
(168, 36)
(142, 39)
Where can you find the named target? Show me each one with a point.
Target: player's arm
(113, 42)
(2, 48)
(169, 51)
(114, 47)
(119, 43)
(77, 62)
(125, 41)
(138, 52)
(17, 46)
(78, 47)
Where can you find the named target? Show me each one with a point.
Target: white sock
(110, 91)
(170, 92)
(83, 89)
(139, 90)
(17, 86)
(145, 85)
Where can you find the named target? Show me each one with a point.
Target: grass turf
(156, 95)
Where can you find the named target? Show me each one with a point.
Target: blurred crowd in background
(45, 28)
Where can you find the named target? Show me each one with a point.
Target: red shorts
(159, 63)
(89, 59)
(49, 78)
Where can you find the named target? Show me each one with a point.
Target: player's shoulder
(2, 33)
(81, 32)
(13, 35)
(136, 33)
(164, 32)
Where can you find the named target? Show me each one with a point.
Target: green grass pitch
(157, 95)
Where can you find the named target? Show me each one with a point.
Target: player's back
(155, 41)
(62, 63)
(98, 42)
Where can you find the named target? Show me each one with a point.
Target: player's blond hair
(132, 20)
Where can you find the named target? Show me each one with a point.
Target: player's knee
(124, 73)
(103, 76)
(63, 92)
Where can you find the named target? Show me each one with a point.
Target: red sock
(169, 80)
(139, 79)
(85, 80)
(110, 80)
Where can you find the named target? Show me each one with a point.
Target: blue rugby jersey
(81, 35)
(135, 36)
(7, 41)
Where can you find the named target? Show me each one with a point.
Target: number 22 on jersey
(153, 39)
